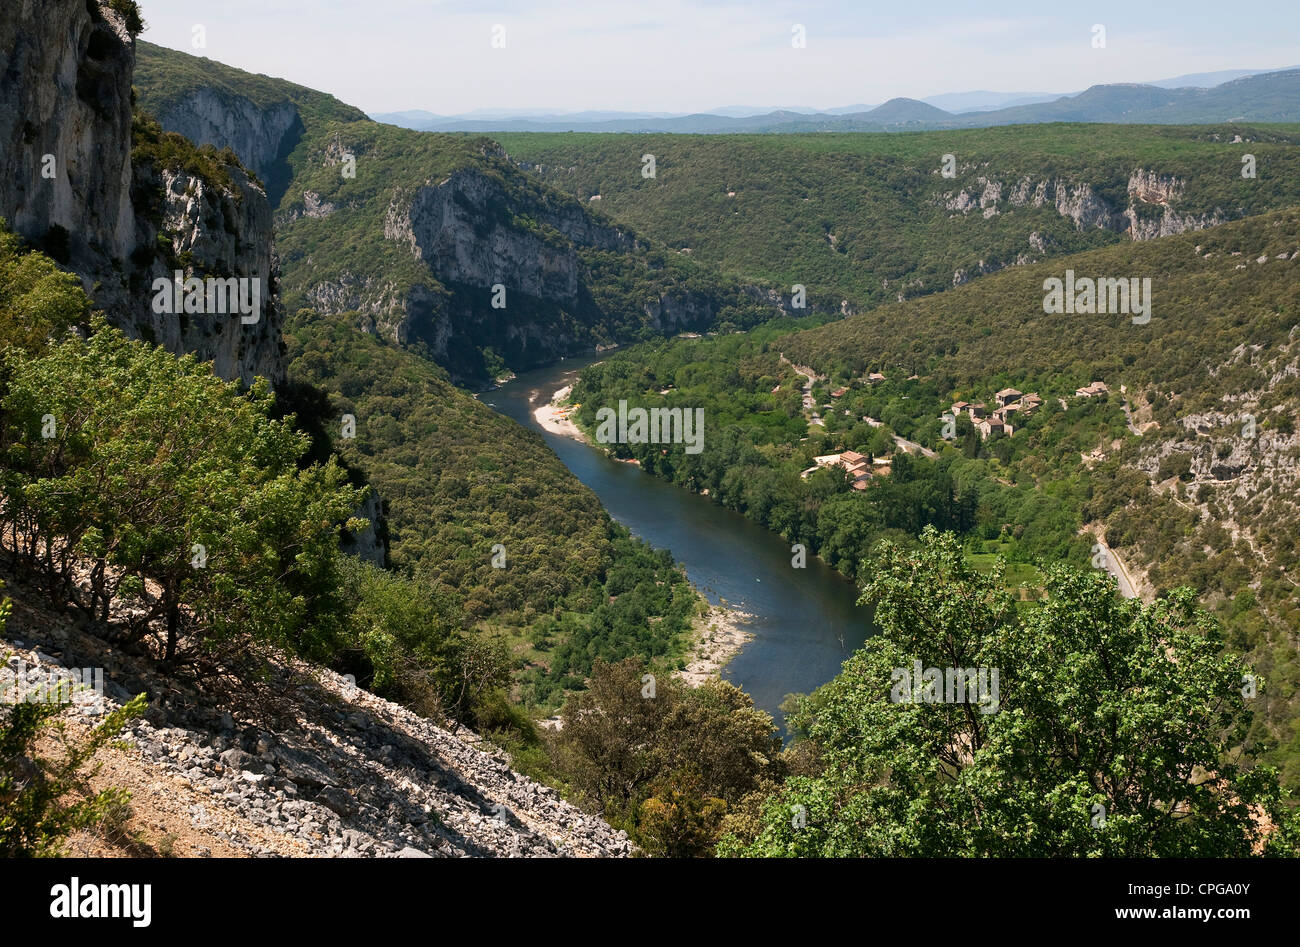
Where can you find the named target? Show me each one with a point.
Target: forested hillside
(873, 218)
(480, 511)
(438, 241)
(1187, 467)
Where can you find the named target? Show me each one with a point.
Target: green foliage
(458, 480)
(38, 301)
(1113, 731)
(165, 77)
(1216, 348)
(152, 458)
(129, 10)
(409, 644)
(150, 145)
(665, 764)
(865, 216)
(44, 798)
(757, 444)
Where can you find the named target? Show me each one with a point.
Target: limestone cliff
(483, 227)
(65, 129)
(261, 137)
(1148, 213)
(261, 120)
(68, 184)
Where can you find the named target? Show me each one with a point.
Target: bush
(37, 812)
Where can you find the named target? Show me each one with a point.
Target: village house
(1088, 391)
(875, 377)
(839, 392)
(858, 466)
(1000, 421)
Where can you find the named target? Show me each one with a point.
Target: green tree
(1113, 731)
(179, 488)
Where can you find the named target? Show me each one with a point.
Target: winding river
(805, 621)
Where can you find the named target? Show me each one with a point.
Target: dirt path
(810, 377)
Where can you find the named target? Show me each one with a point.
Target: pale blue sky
(693, 55)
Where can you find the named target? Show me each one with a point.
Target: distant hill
(412, 231)
(1199, 98)
(871, 218)
(903, 111)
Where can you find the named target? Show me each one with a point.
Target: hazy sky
(693, 55)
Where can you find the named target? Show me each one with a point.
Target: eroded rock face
(261, 137)
(65, 128)
(218, 232)
(67, 185)
(467, 231)
(1086, 208)
(371, 543)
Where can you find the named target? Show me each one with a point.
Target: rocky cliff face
(370, 544)
(261, 137)
(68, 185)
(472, 233)
(65, 128)
(207, 230)
(1081, 203)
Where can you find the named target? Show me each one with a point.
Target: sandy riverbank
(720, 634)
(551, 418)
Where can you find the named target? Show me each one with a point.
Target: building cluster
(1011, 406)
(859, 466)
(872, 377)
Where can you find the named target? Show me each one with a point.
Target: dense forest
(872, 218)
(479, 509)
(1202, 496)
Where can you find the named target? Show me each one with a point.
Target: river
(805, 621)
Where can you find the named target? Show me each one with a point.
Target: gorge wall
(69, 185)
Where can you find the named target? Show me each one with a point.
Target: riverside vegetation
(1172, 756)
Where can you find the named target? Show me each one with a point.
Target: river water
(806, 621)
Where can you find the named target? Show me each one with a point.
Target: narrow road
(1128, 411)
(1116, 568)
(809, 406)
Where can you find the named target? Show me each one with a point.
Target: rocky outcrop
(369, 544)
(67, 184)
(328, 769)
(458, 227)
(1081, 203)
(202, 229)
(65, 130)
(473, 232)
(261, 137)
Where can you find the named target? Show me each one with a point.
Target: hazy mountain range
(1228, 95)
